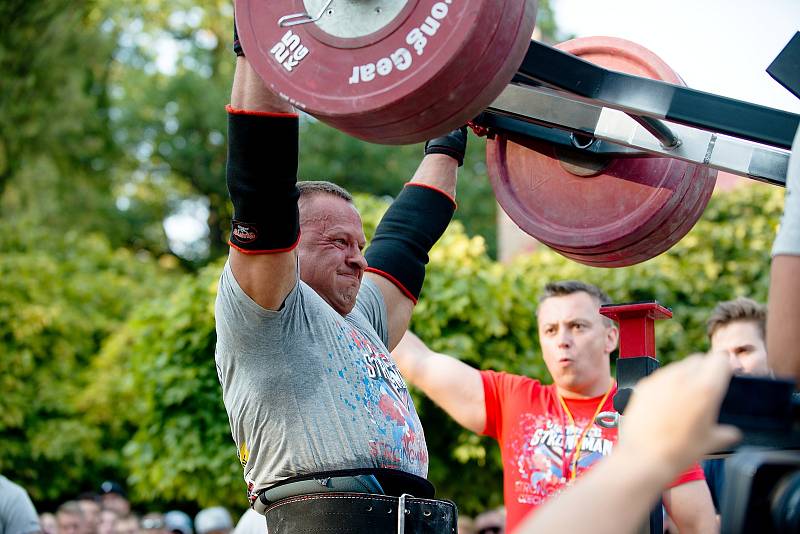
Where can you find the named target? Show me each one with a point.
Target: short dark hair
(70, 508)
(738, 309)
(563, 288)
(568, 287)
(310, 187)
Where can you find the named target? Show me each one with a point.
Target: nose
(735, 364)
(564, 337)
(356, 259)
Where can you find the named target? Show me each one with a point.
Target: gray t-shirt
(310, 391)
(17, 514)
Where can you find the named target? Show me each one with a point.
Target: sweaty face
(741, 341)
(576, 343)
(330, 250)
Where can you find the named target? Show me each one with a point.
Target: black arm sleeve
(262, 181)
(405, 235)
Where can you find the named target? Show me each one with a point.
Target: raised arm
(679, 404)
(453, 385)
(262, 176)
(783, 316)
(413, 223)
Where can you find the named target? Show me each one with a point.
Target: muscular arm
(691, 508)
(437, 171)
(265, 278)
(783, 341)
(452, 384)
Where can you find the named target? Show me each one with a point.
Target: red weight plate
(354, 63)
(628, 211)
(661, 240)
(582, 214)
(458, 99)
(404, 105)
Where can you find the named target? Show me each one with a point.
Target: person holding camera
(783, 335)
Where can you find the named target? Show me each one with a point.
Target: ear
(612, 338)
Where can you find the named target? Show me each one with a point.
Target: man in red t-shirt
(547, 433)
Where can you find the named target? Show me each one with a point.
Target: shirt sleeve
(371, 304)
(690, 475)
(501, 393)
(19, 513)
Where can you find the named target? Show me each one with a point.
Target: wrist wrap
(453, 144)
(412, 224)
(262, 181)
(787, 242)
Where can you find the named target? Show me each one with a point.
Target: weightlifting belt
(360, 513)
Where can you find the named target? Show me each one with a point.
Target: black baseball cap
(110, 486)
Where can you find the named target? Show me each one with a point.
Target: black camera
(762, 492)
(762, 477)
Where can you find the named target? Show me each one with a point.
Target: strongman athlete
(305, 322)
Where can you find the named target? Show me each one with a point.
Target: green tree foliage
(60, 165)
(52, 91)
(472, 307)
(169, 94)
(60, 296)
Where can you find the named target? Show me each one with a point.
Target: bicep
(783, 344)
(265, 278)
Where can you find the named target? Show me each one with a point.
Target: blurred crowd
(108, 511)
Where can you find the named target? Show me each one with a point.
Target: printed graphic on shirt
(375, 385)
(544, 452)
(244, 454)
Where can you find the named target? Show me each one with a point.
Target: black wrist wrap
(262, 181)
(408, 230)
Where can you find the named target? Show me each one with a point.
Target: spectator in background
(548, 433)
(47, 522)
(17, 513)
(466, 525)
(491, 522)
(679, 404)
(113, 497)
(69, 518)
(177, 522)
(90, 506)
(127, 525)
(214, 520)
(738, 328)
(108, 522)
(152, 523)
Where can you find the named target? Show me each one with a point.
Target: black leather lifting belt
(360, 513)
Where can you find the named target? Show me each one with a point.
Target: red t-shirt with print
(528, 421)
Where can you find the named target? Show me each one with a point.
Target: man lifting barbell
(305, 323)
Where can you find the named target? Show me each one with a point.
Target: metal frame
(556, 95)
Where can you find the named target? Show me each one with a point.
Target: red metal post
(637, 334)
